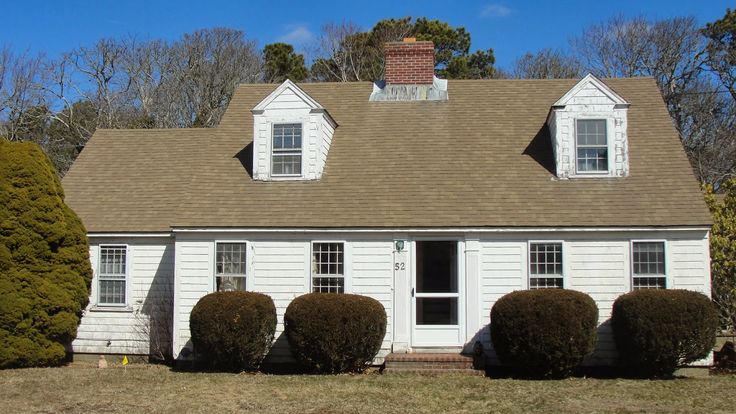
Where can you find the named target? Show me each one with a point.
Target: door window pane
(437, 311)
(437, 267)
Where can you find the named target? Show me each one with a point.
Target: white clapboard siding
(150, 296)
(371, 274)
(280, 270)
(502, 270)
(689, 265)
(194, 279)
(600, 269)
(689, 268)
(279, 265)
(597, 264)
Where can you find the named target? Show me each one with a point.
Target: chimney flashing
(383, 92)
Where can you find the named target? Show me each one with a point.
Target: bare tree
(342, 52)
(211, 62)
(22, 108)
(547, 64)
(106, 84)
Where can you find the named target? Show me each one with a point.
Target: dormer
(292, 134)
(588, 130)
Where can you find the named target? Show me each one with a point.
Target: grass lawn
(147, 388)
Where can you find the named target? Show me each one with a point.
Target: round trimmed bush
(545, 332)
(332, 333)
(233, 331)
(658, 330)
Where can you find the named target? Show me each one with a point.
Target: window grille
(286, 157)
(328, 267)
(545, 265)
(648, 265)
(112, 275)
(591, 145)
(230, 269)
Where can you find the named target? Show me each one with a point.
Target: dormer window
(292, 135)
(286, 152)
(587, 127)
(591, 146)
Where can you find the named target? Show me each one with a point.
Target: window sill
(120, 309)
(286, 177)
(593, 175)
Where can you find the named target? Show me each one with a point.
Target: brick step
(430, 363)
(427, 357)
(433, 371)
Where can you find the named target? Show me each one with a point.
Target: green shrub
(545, 332)
(331, 333)
(723, 252)
(45, 272)
(233, 331)
(658, 330)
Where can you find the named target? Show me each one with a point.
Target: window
(286, 157)
(591, 146)
(230, 266)
(545, 265)
(648, 265)
(328, 264)
(112, 275)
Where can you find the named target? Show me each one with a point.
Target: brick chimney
(409, 62)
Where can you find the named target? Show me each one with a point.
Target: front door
(437, 305)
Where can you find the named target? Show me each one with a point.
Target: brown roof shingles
(481, 159)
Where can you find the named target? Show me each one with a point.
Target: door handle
(412, 292)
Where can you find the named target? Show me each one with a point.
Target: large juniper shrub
(233, 331)
(332, 333)
(658, 330)
(544, 333)
(45, 272)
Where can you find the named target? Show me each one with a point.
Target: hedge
(332, 333)
(233, 331)
(45, 273)
(658, 330)
(545, 332)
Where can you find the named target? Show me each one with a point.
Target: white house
(434, 197)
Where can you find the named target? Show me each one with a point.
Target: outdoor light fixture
(399, 245)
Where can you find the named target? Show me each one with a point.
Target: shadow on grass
(605, 372)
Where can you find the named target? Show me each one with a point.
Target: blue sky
(511, 28)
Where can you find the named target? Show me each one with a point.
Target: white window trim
(286, 177)
(113, 306)
(610, 137)
(248, 262)
(565, 261)
(347, 285)
(667, 279)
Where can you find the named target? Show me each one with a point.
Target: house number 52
(399, 266)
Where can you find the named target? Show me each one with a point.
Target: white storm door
(437, 294)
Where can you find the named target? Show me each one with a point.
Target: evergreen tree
(45, 272)
(281, 63)
(723, 252)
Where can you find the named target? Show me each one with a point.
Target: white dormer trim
(589, 99)
(582, 84)
(289, 104)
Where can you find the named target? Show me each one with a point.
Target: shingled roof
(481, 159)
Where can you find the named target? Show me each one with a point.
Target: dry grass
(145, 388)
